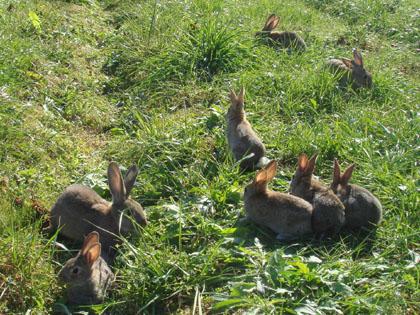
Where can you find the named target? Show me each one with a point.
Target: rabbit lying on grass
(87, 275)
(80, 210)
(351, 71)
(328, 211)
(286, 215)
(284, 39)
(362, 208)
(242, 139)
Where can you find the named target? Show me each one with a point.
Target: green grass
(85, 82)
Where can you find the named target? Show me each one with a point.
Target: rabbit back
(340, 66)
(243, 140)
(362, 208)
(78, 210)
(328, 212)
(288, 40)
(284, 214)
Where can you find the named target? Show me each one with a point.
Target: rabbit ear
(311, 164)
(274, 22)
(261, 180)
(358, 60)
(302, 162)
(336, 173)
(116, 184)
(92, 253)
(241, 96)
(233, 97)
(91, 238)
(130, 179)
(271, 170)
(347, 175)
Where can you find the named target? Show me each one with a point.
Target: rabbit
(285, 39)
(362, 208)
(79, 210)
(353, 71)
(286, 215)
(87, 275)
(328, 215)
(242, 139)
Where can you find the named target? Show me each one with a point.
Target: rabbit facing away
(242, 139)
(87, 275)
(362, 208)
(352, 71)
(284, 39)
(79, 210)
(328, 211)
(286, 215)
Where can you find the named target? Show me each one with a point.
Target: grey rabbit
(286, 215)
(328, 215)
(242, 139)
(87, 276)
(363, 209)
(352, 71)
(285, 39)
(79, 210)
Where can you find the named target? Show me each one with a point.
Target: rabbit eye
(75, 271)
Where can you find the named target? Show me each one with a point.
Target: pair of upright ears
(357, 59)
(237, 98)
(91, 248)
(271, 23)
(306, 166)
(121, 187)
(342, 179)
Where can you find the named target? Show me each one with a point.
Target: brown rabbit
(286, 215)
(242, 139)
(363, 209)
(328, 211)
(285, 39)
(80, 210)
(87, 275)
(352, 71)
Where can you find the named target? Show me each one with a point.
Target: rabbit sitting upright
(87, 275)
(80, 210)
(352, 71)
(363, 209)
(286, 215)
(284, 39)
(328, 211)
(242, 139)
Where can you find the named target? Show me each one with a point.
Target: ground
(86, 82)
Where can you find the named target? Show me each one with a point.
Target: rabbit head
(361, 77)
(302, 180)
(236, 109)
(340, 183)
(87, 275)
(259, 184)
(120, 189)
(270, 25)
(78, 269)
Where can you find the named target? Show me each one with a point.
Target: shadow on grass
(360, 242)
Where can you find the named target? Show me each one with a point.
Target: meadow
(84, 82)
